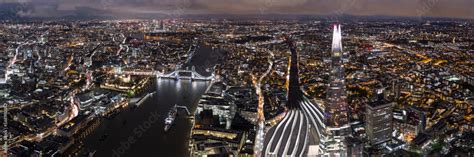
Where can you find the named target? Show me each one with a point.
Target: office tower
(336, 108)
(337, 119)
(378, 121)
(395, 89)
(307, 129)
(3, 77)
(355, 147)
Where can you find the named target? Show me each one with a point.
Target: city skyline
(77, 80)
(122, 8)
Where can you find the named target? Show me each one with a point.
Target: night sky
(414, 8)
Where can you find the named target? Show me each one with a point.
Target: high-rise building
(309, 127)
(336, 114)
(3, 76)
(378, 120)
(395, 89)
(336, 108)
(355, 147)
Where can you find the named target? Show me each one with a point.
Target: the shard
(309, 127)
(337, 119)
(336, 108)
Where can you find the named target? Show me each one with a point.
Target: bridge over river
(138, 131)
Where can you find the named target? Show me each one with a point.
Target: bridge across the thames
(177, 74)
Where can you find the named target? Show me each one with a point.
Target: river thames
(140, 131)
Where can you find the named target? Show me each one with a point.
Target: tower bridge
(184, 74)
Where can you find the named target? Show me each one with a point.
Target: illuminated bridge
(177, 74)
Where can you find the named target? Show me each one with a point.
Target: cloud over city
(436, 8)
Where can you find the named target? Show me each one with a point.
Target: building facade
(379, 118)
(336, 114)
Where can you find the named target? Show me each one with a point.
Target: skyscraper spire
(336, 96)
(340, 37)
(304, 118)
(337, 118)
(336, 39)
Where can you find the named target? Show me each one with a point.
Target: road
(70, 113)
(12, 62)
(260, 137)
(122, 44)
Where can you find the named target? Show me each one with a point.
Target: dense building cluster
(392, 87)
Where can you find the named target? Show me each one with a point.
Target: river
(140, 131)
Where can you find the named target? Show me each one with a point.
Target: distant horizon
(457, 9)
(250, 16)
